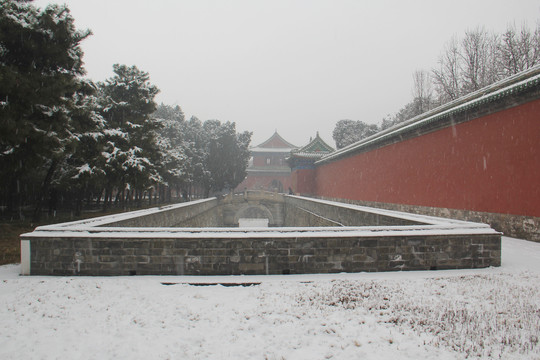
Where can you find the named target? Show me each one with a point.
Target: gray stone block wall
(61, 250)
(169, 217)
(208, 218)
(333, 215)
(212, 256)
(280, 210)
(518, 226)
(297, 216)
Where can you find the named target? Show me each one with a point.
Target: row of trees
(210, 155)
(65, 137)
(465, 65)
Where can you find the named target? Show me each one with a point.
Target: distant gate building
(268, 168)
(302, 162)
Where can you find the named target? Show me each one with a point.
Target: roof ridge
(279, 138)
(317, 140)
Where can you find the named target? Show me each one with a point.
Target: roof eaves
(280, 138)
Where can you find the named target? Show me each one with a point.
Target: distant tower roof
(307, 155)
(275, 142)
(316, 146)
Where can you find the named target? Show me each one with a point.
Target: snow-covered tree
(227, 155)
(347, 132)
(172, 141)
(130, 155)
(40, 69)
(81, 174)
(210, 155)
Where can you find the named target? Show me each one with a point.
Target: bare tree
(478, 60)
(519, 50)
(422, 91)
(447, 77)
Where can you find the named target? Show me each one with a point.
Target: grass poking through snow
(479, 316)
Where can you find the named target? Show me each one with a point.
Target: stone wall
(169, 216)
(476, 161)
(372, 240)
(243, 255)
(303, 212)
(522, 227)
(255, 205)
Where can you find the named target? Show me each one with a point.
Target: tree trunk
(139, 197)
(44, 191)
(106, 198)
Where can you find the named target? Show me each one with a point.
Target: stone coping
(116, 218)
(97, 227)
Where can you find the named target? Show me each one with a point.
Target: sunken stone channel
(293, 235)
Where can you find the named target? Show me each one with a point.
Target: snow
(83, 169)
(253, 233)
(91, 224)
(97, 227)
(271, 150)
(391, 213)
(455, 314)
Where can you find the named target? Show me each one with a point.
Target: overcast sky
(297, 66)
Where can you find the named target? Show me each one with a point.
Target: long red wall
(489, 164)
(303, 180)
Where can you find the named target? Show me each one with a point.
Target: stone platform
(305, 236)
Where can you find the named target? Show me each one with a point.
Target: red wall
(275, 160)
(490, 164)
(304, 181)
(264, 182)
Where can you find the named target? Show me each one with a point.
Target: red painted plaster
(489, 164)
(304, 181)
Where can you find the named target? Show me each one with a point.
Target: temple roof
(315, 146)
(275, 144)
(308, 154)
(315, 149)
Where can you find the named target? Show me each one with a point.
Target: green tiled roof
(316, 147)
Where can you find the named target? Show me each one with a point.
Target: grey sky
(297, 66)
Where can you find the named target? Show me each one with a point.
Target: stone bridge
(252, 205)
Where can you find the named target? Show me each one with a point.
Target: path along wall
(486, 169)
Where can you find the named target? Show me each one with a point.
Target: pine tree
(81, 171)
(227, 155)
(40, 67)
(130, 156)
(171, 140)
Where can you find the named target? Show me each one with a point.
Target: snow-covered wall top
(107, 226)
(513, 85)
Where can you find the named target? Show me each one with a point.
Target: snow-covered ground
(485, 313)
